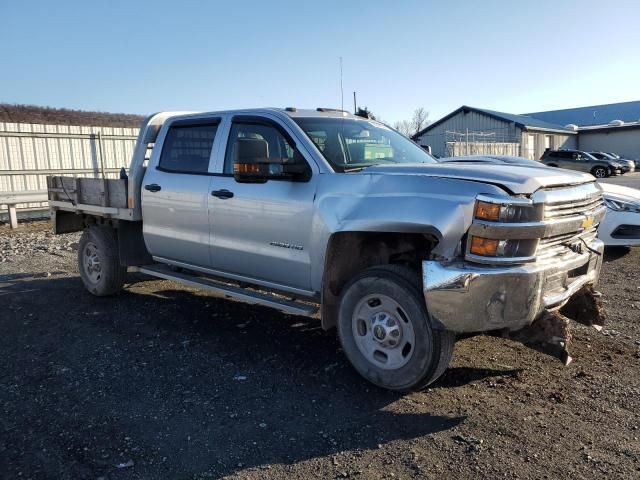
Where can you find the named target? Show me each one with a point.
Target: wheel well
(348, 253)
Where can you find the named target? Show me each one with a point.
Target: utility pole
(355, 104)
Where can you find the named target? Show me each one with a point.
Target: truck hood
(517, 179)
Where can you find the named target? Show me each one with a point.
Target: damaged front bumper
(465, 298)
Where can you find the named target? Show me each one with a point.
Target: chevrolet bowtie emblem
(587, 222)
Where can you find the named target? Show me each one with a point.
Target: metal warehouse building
(613, 127)
(474, 131)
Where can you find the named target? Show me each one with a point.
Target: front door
(175, 193)
(262, 231)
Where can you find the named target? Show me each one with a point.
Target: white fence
(30, 152)
(458, 149)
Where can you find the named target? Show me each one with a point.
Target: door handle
(153, 187)
(223, 194)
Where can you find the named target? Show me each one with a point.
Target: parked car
(581, 161)
(627, 165)
(621, 224)
(617, 157)
(322, 213)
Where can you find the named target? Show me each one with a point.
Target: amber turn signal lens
(246, 168)
(487, 247)
(487, 211)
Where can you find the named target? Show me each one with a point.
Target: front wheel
(386, 332)
(99, 262)
(600, 172)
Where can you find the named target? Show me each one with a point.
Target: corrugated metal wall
(624, 142)
(30, 152)
(437, 137)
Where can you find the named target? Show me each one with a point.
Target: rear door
(262, 231)
(564, 159)
(175, 192)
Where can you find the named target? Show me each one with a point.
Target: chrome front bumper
(466, 297)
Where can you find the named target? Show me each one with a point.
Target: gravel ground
(164, 381)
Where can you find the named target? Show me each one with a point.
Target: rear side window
(187, 148)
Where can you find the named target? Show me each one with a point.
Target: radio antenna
(341, 89)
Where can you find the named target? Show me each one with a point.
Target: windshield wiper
(354, 169)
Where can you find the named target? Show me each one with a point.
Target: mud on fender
(551, 332)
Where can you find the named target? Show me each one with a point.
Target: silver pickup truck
(322, 213)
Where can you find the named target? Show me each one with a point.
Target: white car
(621, 224)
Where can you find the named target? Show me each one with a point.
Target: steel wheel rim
(383, 332)
(91, 262)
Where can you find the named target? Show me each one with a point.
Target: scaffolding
(492, 142)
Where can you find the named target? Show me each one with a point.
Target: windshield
(350, 144)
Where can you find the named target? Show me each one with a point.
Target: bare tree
(404, 127)
(365, 113)
(419, 120)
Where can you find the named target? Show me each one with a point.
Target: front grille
(562, 244)
(565, 204)
(631, 232)
(572, 208)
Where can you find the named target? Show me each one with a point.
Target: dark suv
(582, 161)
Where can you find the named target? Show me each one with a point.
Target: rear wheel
(386, 332)
(99, 262)
(600, 172)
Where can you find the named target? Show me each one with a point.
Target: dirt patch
(163, 381)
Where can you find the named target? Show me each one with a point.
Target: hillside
(64, 116)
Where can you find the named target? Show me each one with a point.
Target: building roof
(525, 121)
(610, 128)
(593, 115)
(521, 121)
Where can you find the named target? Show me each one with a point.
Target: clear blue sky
(145, 56)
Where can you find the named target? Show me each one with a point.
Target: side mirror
(252, 163)
(251, 160)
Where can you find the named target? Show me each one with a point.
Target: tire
(599, 172)
(552, 165)
(98, 261)
(366, 341)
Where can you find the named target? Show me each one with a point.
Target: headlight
(506, 210)
(489, 247)
(620, 205)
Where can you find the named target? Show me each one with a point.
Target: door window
(187, 148)
(279, 148)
